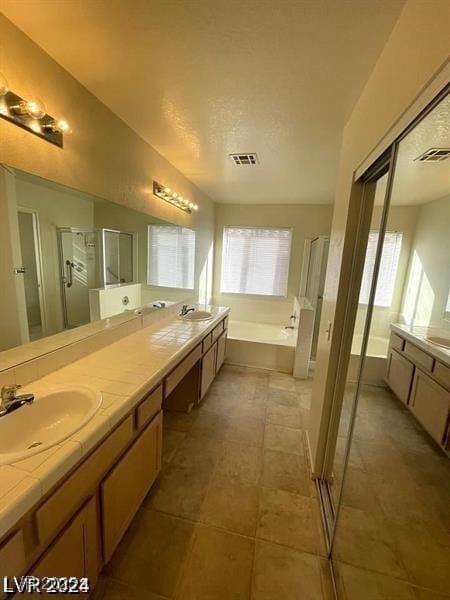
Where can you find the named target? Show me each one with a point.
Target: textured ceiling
(417, 182)
(202, 79)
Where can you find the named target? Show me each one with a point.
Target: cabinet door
(74, 553)
(124, 489)
(399, 375)
(430, 403)
(208, 369)
(221, 348)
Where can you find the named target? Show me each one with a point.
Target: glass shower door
(78, 274)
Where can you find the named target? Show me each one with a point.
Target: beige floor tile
(171, 442)
(284, 439)
(152, 553)
(423, 594)
(284, 573)
(231, 505)
(179, 421)
(287, 416)
(363, 540)
(281, 397)
(197, 451)
(359, 584)
(240, 462)
(282, 381)
(245, 430)
(181, 490)
(219, 567)
(109, 589)
(286, 472)
(291, 520)
(209, 425)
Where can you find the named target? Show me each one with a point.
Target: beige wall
(102, 156)
(428, 281)
(417, 49)
(402, 219)
(307, 221)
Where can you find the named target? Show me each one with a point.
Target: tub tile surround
(123, 372)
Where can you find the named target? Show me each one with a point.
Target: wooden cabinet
(208, 370)
(430, 403)
(74, 553)
(399, 375)
(128, 483)
(12, 556)
(221, 349)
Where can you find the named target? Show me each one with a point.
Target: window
(255, 260)
(171, 256)
(388, 268)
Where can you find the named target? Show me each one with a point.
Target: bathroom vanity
(70, 506)
(418, 372)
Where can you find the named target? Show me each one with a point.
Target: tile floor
(234, 514)
(393, 537)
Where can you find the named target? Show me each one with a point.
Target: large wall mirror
(70, 259)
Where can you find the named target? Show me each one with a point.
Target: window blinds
(255, 260)
(171, 256)
(388, 268)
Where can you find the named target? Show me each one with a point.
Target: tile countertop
(417, 335)
(124, 372)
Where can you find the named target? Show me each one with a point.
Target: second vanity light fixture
(172, 197)
(30, 114)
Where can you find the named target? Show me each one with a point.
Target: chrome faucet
(292, 318)
(9, 400)
(159, 304)
(185, 310)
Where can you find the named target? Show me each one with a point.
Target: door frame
(39, 264)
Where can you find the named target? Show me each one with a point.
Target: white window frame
(254, 294)
(149, 277)
(364, 293)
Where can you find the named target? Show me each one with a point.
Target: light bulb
(195, 207)
(174, 195)
(4, 89)
(61, 126)
(33, 108)
(167, 190)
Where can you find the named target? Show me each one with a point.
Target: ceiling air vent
(434, 155)
(244, 159)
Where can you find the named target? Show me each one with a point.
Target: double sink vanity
(77, 462)
(418, 372)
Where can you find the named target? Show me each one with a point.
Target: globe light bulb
(33, 108)
(61, 126)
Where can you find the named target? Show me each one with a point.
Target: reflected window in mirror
(171, 257)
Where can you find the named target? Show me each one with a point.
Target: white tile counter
(124, 372)
(417, 335)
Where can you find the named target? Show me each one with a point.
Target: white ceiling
(200, 79)
(417, 182)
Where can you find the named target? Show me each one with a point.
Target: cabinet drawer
(62, 503)
(399, 375)
(430, 403)
(217, 331)
(179, 372)
(418, 356)
(12, 557)
(74, 553)
(207, 342)
(442, 374)
(149, 407)
(397, 342)
(128, 483)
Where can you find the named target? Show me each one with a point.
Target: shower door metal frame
(386, 163)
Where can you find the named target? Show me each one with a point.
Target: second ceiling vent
(434, 155)
(244, 159)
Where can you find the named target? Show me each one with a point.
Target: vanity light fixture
(168, 195)
(30, 114)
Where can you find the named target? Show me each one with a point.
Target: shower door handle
(69, 274)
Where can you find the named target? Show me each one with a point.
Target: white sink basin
(53, 417)
(439, 341)
(197, 315)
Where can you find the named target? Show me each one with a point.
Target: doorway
(31, 265)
